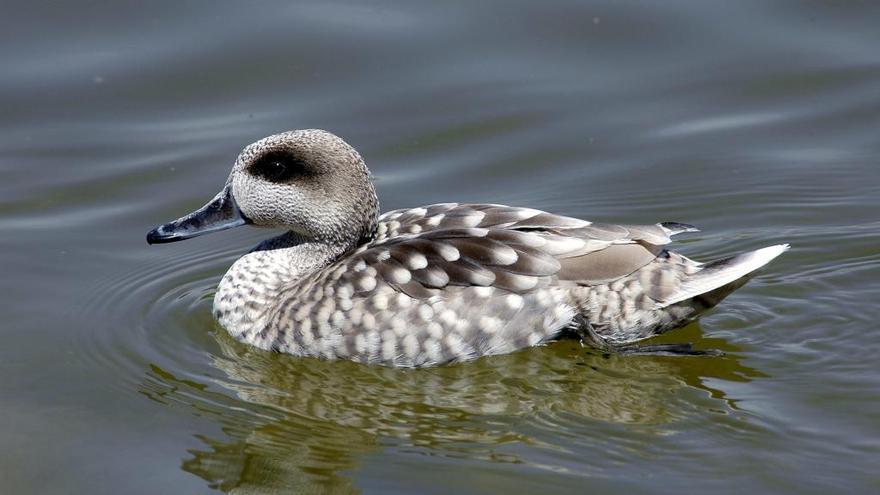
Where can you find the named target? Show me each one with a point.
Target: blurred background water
(757, 121)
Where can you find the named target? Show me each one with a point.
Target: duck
(441, 283)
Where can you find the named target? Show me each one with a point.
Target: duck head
(310, 182)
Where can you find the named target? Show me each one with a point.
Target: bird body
(439, 283)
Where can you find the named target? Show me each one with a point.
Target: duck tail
(715, 280)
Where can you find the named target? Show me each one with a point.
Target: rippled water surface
(757, 121)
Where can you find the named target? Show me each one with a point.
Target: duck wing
(422, 250)
(508, 247)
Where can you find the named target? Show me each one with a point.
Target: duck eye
(279, 166)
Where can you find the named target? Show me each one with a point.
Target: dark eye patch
(280, 166)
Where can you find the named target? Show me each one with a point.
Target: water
(755, 121)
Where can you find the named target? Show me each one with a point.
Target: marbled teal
(440, 283)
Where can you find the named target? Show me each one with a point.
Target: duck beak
(220, 213)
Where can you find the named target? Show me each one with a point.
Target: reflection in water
(301, 423)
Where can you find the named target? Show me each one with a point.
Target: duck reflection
(298, 424)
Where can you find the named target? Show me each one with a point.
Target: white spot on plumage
(434, 220)
(355, 315)
(490, 324)
(448, 317)
(411, 346)
(524, 213)
(398, 325)
(558, 245)
(447, 251)
(403, 300)
(514, 301)
(367, 283)
(476, 232)
(472, 219)
(531, 240)
(416, 261)
(426, 312)
(504, 255)
(483, 291)
(380, 301)
(520, 283)
(399, 275)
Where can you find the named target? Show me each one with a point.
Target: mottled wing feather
(474, 244)
(454, 257)
(396, 223)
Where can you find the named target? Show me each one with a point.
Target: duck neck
(251, 287)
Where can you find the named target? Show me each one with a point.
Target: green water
(756, 121)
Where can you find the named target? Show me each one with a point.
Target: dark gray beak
(220, 213)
